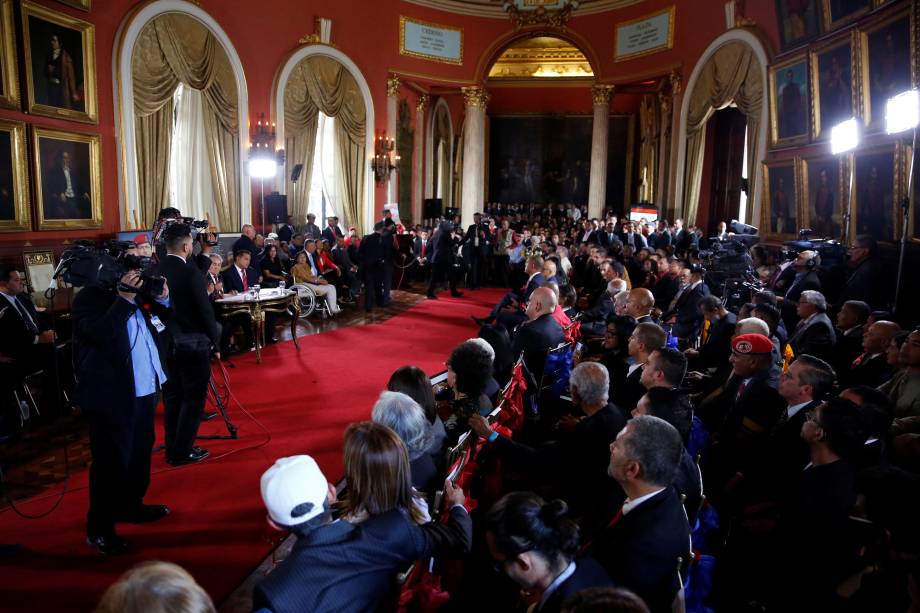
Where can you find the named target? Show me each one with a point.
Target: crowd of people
(662, 447)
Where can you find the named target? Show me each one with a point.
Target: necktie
(424, 246)
(741, 389)
(245, 280)
(26, 318)
(859, 360)
(616, 519)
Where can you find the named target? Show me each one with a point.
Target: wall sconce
(383, 163)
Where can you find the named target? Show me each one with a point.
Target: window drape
(189, 158)
(173, 49)
(316, 84)
(732, 74)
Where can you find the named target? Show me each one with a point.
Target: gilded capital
(393, 86)
(601, 94)
(674, 77)
(422, 103)
(475, 96)
(664, 101)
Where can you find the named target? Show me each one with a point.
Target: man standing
(867, 281)
(310, 229)
(683, 311)
(118, 342)
(195, 336)
(476, 242)
(441, 250)
(286, 231)
(372, 255)
(332, 231)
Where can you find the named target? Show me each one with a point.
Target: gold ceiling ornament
(393, 86)
(535, 12)
(309, 39)
(541, 57)
(475, 96)
(422, 103)
(601, 94)
(674, 78)
(322, 32)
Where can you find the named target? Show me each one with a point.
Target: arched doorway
(320, 79)
(164, 45)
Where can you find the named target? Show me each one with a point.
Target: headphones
(813, 262)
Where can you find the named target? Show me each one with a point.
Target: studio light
(902, 112)
(263, 167)
(845, 136)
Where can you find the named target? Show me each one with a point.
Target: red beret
(141, 239)
(752, 344)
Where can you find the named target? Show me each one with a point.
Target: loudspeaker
(276, 207)
(432, 208)
(295, 173)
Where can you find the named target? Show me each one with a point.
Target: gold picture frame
(832, 99)
(14, 197)
(830, 21)
(70, 91)
(9, 79)
(428, 56)
(781, 214)
(871, 213)
(83, 5)
(913, 220)
(872, 60)
(789, 131)
(39, 269)
(823, 194)
(71, 200)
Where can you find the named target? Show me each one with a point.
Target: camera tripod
(217, 396)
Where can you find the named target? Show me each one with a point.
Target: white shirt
(552, 587)
(15, 304)
(242, 274)
(633, 367)
(795, 408)
(69, 190)
(629, 505)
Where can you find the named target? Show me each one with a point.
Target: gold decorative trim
(841, 206)
(309, 39)
(495, 11)
(833, 25)
(408, 74)
(475, 96)
(422, 103)
(601, 94)
(766, 209)
(540, 16)
(9, 79)
(670, 11)
(95, 179)
(21, 221)
(675, 80)
(88, 49)
(85, 5)
(865, 32)
(818, 130)
(426, 56)
(392, 86)
(772, 83)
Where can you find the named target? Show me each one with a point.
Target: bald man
(639, 305)
(872, 368)
(539, 333)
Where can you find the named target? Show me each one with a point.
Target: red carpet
(217, 528)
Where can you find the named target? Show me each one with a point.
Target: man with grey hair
(594, 319)
(406, 418)
(814, 334)
(642, 543)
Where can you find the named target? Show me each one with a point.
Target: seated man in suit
(683, 311)
(594, 319)
(639, 305)
(851, 319)
(338, 565)
(646, 338)
(239, 278)
(805, 278)
(871, 367)
(715, 346)
(814, 334)
(347, 268)
(512, 303)
(539, 333)
(642, 544)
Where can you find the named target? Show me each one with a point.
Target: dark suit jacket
(341, 567)
(867, 282)
(533, 284)
(665, 290)
(16, 338)
(847, 348)
(484, 236)
(441, 246)
(872, 372)
(716, 351)
(535, 338)
(687, 310)
(598, 312)
(607, 240)
(285, 233)
(817, 338)
(330, 236)
(188, 297)
(102, 350)
(247, 244)
(588, 573)
(787, 452)
(640, 551)
(233, 281)
(629, 394)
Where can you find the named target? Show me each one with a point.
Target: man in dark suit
(119, 344)
(539, 333)
(287, 231)
(867, 281)
(24, 332)
(190, 369)
(336, 565)
(476, 244)
(629, 236)
(814, 334)
(247, 242)
(871, 367)
(67, 199)
(715, 348)
(639, 305)
(347, 268)
(440, 254)
(372, 256)
(851, 319)
(646, 338)
(806, 278)
(683, 312)
(643, 544)
(236, 280)
(660, 239)
(332, 231)
(608, 237)
(587, 234)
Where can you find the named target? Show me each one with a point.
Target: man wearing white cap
(336, 565)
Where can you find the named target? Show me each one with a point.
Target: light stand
(903, 113)
(845, 138)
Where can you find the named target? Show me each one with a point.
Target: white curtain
(190, 185)
(325, 169)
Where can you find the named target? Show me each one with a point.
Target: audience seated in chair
(414, 383)
(469, 371)
(406, 418)
(539, 333)
(155, 587)
(303, 273)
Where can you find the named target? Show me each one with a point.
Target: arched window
(183, 115)
(440, 152)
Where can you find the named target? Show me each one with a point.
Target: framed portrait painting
(780, 216)
(14, 181)
(68, 179)
(789, 105)
(875, 192)
(798, 21)
(832, 84)
(839, 12)
(60, 64)
(885, 49)
(824, 196)
(9, 81)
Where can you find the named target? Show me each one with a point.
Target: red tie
(613, 522)
(245, 280)
(424, 245)
(859, 360)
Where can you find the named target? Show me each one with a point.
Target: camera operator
(476, 244)
(119, 350)
(195, 333)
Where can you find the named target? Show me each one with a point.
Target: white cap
(294, 490)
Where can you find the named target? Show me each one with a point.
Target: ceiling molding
(494, 10)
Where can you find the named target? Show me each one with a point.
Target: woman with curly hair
(469, 371)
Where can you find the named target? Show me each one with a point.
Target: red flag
(512, 415)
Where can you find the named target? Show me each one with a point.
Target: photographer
(119, 346)
(195, 333)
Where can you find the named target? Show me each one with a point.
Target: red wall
(368, 32)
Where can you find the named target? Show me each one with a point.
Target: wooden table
(256, 305)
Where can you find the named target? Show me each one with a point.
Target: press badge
(157, 323)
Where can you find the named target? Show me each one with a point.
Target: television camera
(85, 265)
